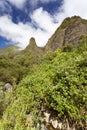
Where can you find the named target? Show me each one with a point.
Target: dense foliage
(58, 82)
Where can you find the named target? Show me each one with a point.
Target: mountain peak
(33, 48)
(70, 20)
(69, 32)
(32, 41)
(32, 44)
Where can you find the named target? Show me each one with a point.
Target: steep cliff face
(69, 32)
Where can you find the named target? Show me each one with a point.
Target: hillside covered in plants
(48, 88)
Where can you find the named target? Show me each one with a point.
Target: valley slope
(49, 85)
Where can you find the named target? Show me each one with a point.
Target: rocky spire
(33, 48)
(32, 44)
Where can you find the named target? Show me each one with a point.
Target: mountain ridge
(9, 50)
(69, 32)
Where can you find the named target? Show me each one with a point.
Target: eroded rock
(7, 87)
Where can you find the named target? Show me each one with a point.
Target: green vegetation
(68, 22)
(58, 81)
(9, 50)
(14, 67)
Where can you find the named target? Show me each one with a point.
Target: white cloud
(34, 3)
(42, 1)
(21, 3)
(18, 3)
(71, 8)
(21, 33)
(76, 7)
(4, 7)
(17, 33)
(43, 20)
(46, 1)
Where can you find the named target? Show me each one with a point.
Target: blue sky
(22, 19)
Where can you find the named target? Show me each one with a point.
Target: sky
(22, 19)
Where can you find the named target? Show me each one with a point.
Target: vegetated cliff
(49, 92)
(69, 32)
(11, 58)
(53, 95)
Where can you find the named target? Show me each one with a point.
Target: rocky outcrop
(52, 122)
(33, 48)
(32, 44)
(7, 87)
(69, 32)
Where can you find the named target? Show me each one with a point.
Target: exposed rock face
(52, 122)
(33, 48)
(69, 32)
(32, 44)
